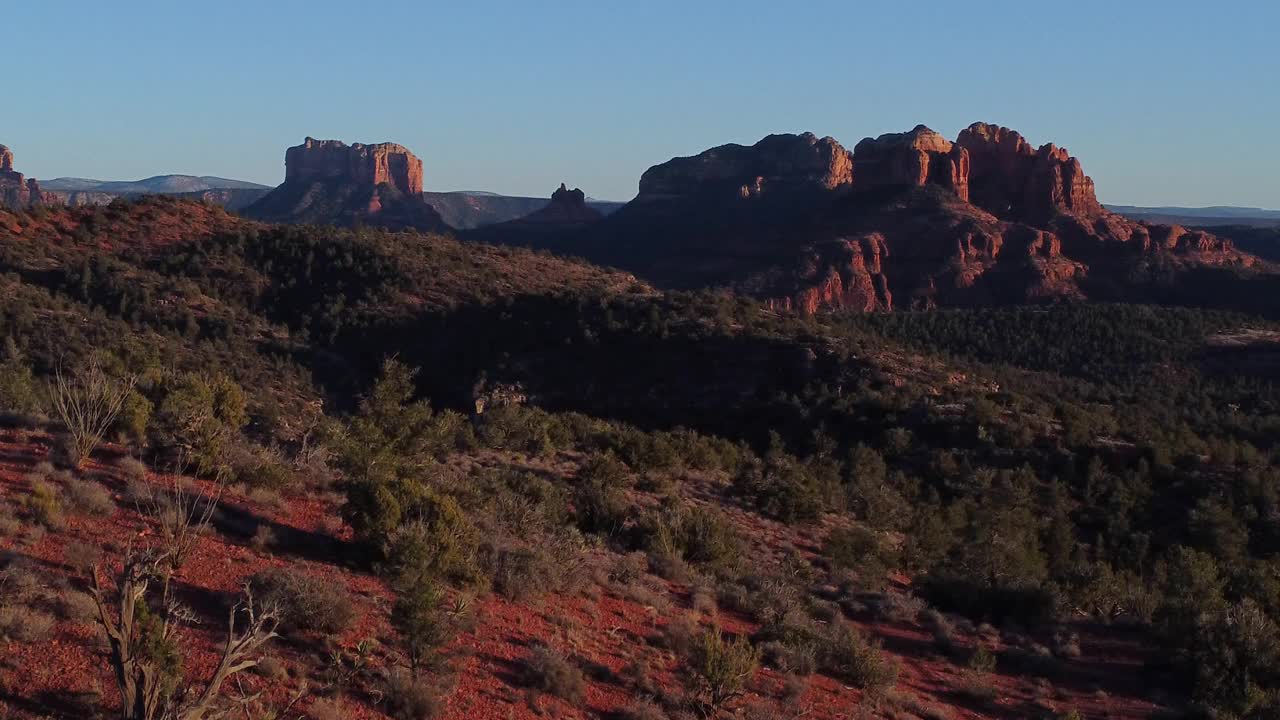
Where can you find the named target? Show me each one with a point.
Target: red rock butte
(359, 164)
(16, 191)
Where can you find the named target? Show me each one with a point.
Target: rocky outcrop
(17, 192)
(784, 163)
(911, 159)
(1012, 181)
(358, 164)
(568, 208)
(330, 182)
(845, 274)
(906, 220)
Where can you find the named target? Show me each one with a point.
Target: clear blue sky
(1165, 102)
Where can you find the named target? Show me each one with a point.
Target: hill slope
(614, 492)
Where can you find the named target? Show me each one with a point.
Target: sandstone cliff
(16, 191)
(778, 162)
(912, 159)
(330, 182)
(906, 220)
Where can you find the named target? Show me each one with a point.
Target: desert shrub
(19, 623)
(1232, 659)
(1027, 605)
(198, 415)
(86, 497)
(698, 534)
(132, 469)
(87, 403)
(679, 634)
(643, 710)
(518, 573)
(784, 487)
(982, 660)
(81, 556)
(799, 658)
(411, 698)
(263, 470)
(551, 671)
(76, 606)
(9, 522)
(863, 550)
(418, 616)
(600, 505)
(44, 504)
(1030, 658)
(306, 602)
(524, 429)
(719, 669)
(894, 605)
(437, 540)
(849, 656)
(385, 453)
(135, 417)
(19, 393)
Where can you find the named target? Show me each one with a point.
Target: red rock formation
(16, 191)
(987, 219)
(1014, 182)
(327, 181)
(357, 164)
(567, 208)
(778, 162)
(912, 159)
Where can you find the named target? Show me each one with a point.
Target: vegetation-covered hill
(468, 481)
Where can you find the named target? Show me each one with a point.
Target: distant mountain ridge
(1201, 216)
(1217, 211)
(469, 209)
(158, 184)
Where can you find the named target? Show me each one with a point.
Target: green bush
(19, 393)
(851, 657)
(786, 488)
(386, 453)
(197, 415)
(858, 548)
(439, 541)
(524, 429)
(599, 501)
(419, 618)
